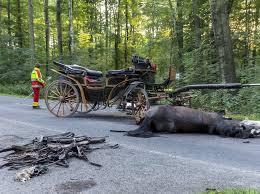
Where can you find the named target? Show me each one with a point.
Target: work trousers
(36, 96)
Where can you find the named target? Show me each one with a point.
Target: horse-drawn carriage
(80, 89)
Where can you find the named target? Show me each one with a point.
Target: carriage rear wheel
(140, 104)
(62, 98)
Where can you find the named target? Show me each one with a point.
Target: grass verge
(255, 117)
(232, 191)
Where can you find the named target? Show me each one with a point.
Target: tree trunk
(71, 32)
(106, 30)
(173, 31)
(126, 31)
(1, 19)
(256, 32)
(196, 24)
(9, 22)
(117, 37)
(246, 37)
(47, 35)
(222, 37)
(19, 33)
(179, 33)
(199, 68)
(151, 30)
(31, 27)
(134, 14)
(59, 30)
(91, 28)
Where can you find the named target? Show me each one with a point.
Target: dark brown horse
(179, 119)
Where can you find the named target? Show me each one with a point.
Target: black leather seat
(86, 71)
(94, 73)
(120, 72)
(76, 69)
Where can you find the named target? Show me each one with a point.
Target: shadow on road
(111, 117)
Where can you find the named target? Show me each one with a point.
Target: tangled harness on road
(35, 158)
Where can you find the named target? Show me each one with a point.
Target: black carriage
(80, 89)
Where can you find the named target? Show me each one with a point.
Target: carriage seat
(93, 73)
(85, 71)
(120, 72)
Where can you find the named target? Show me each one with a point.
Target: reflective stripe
(40, 80)
(36, 86)
(38, 73)
(35, 103)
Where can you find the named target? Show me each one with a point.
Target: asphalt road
(171, 163)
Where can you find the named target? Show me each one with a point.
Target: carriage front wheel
(140, 104)
(62, 98)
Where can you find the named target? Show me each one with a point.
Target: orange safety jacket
(36, 78)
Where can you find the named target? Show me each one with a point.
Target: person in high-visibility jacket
(37, 84)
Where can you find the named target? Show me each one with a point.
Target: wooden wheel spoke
(73, 100)
(55, 93)
(57, 89)
(67, 106)
(53, 97)
(63, 108)
(68, 92)
(74, 95)
(51, 102)
(59, 109)
(65, 89)
(70, 103)
(61, 89)
(140, 104)
(55, 106)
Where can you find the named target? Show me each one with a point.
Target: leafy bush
(16, 89)
(15, 65)
(244, 101)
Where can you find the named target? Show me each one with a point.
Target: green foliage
(244, 101)
(16, 89)
(15, 65)
(160, 30)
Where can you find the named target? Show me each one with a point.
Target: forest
(207, 41)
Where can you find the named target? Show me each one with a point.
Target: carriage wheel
(62, 98)
(140, 104)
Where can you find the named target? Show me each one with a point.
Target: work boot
(35, 105)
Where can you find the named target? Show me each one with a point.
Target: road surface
(171, 163)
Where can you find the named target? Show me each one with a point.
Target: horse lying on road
(179, 119)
